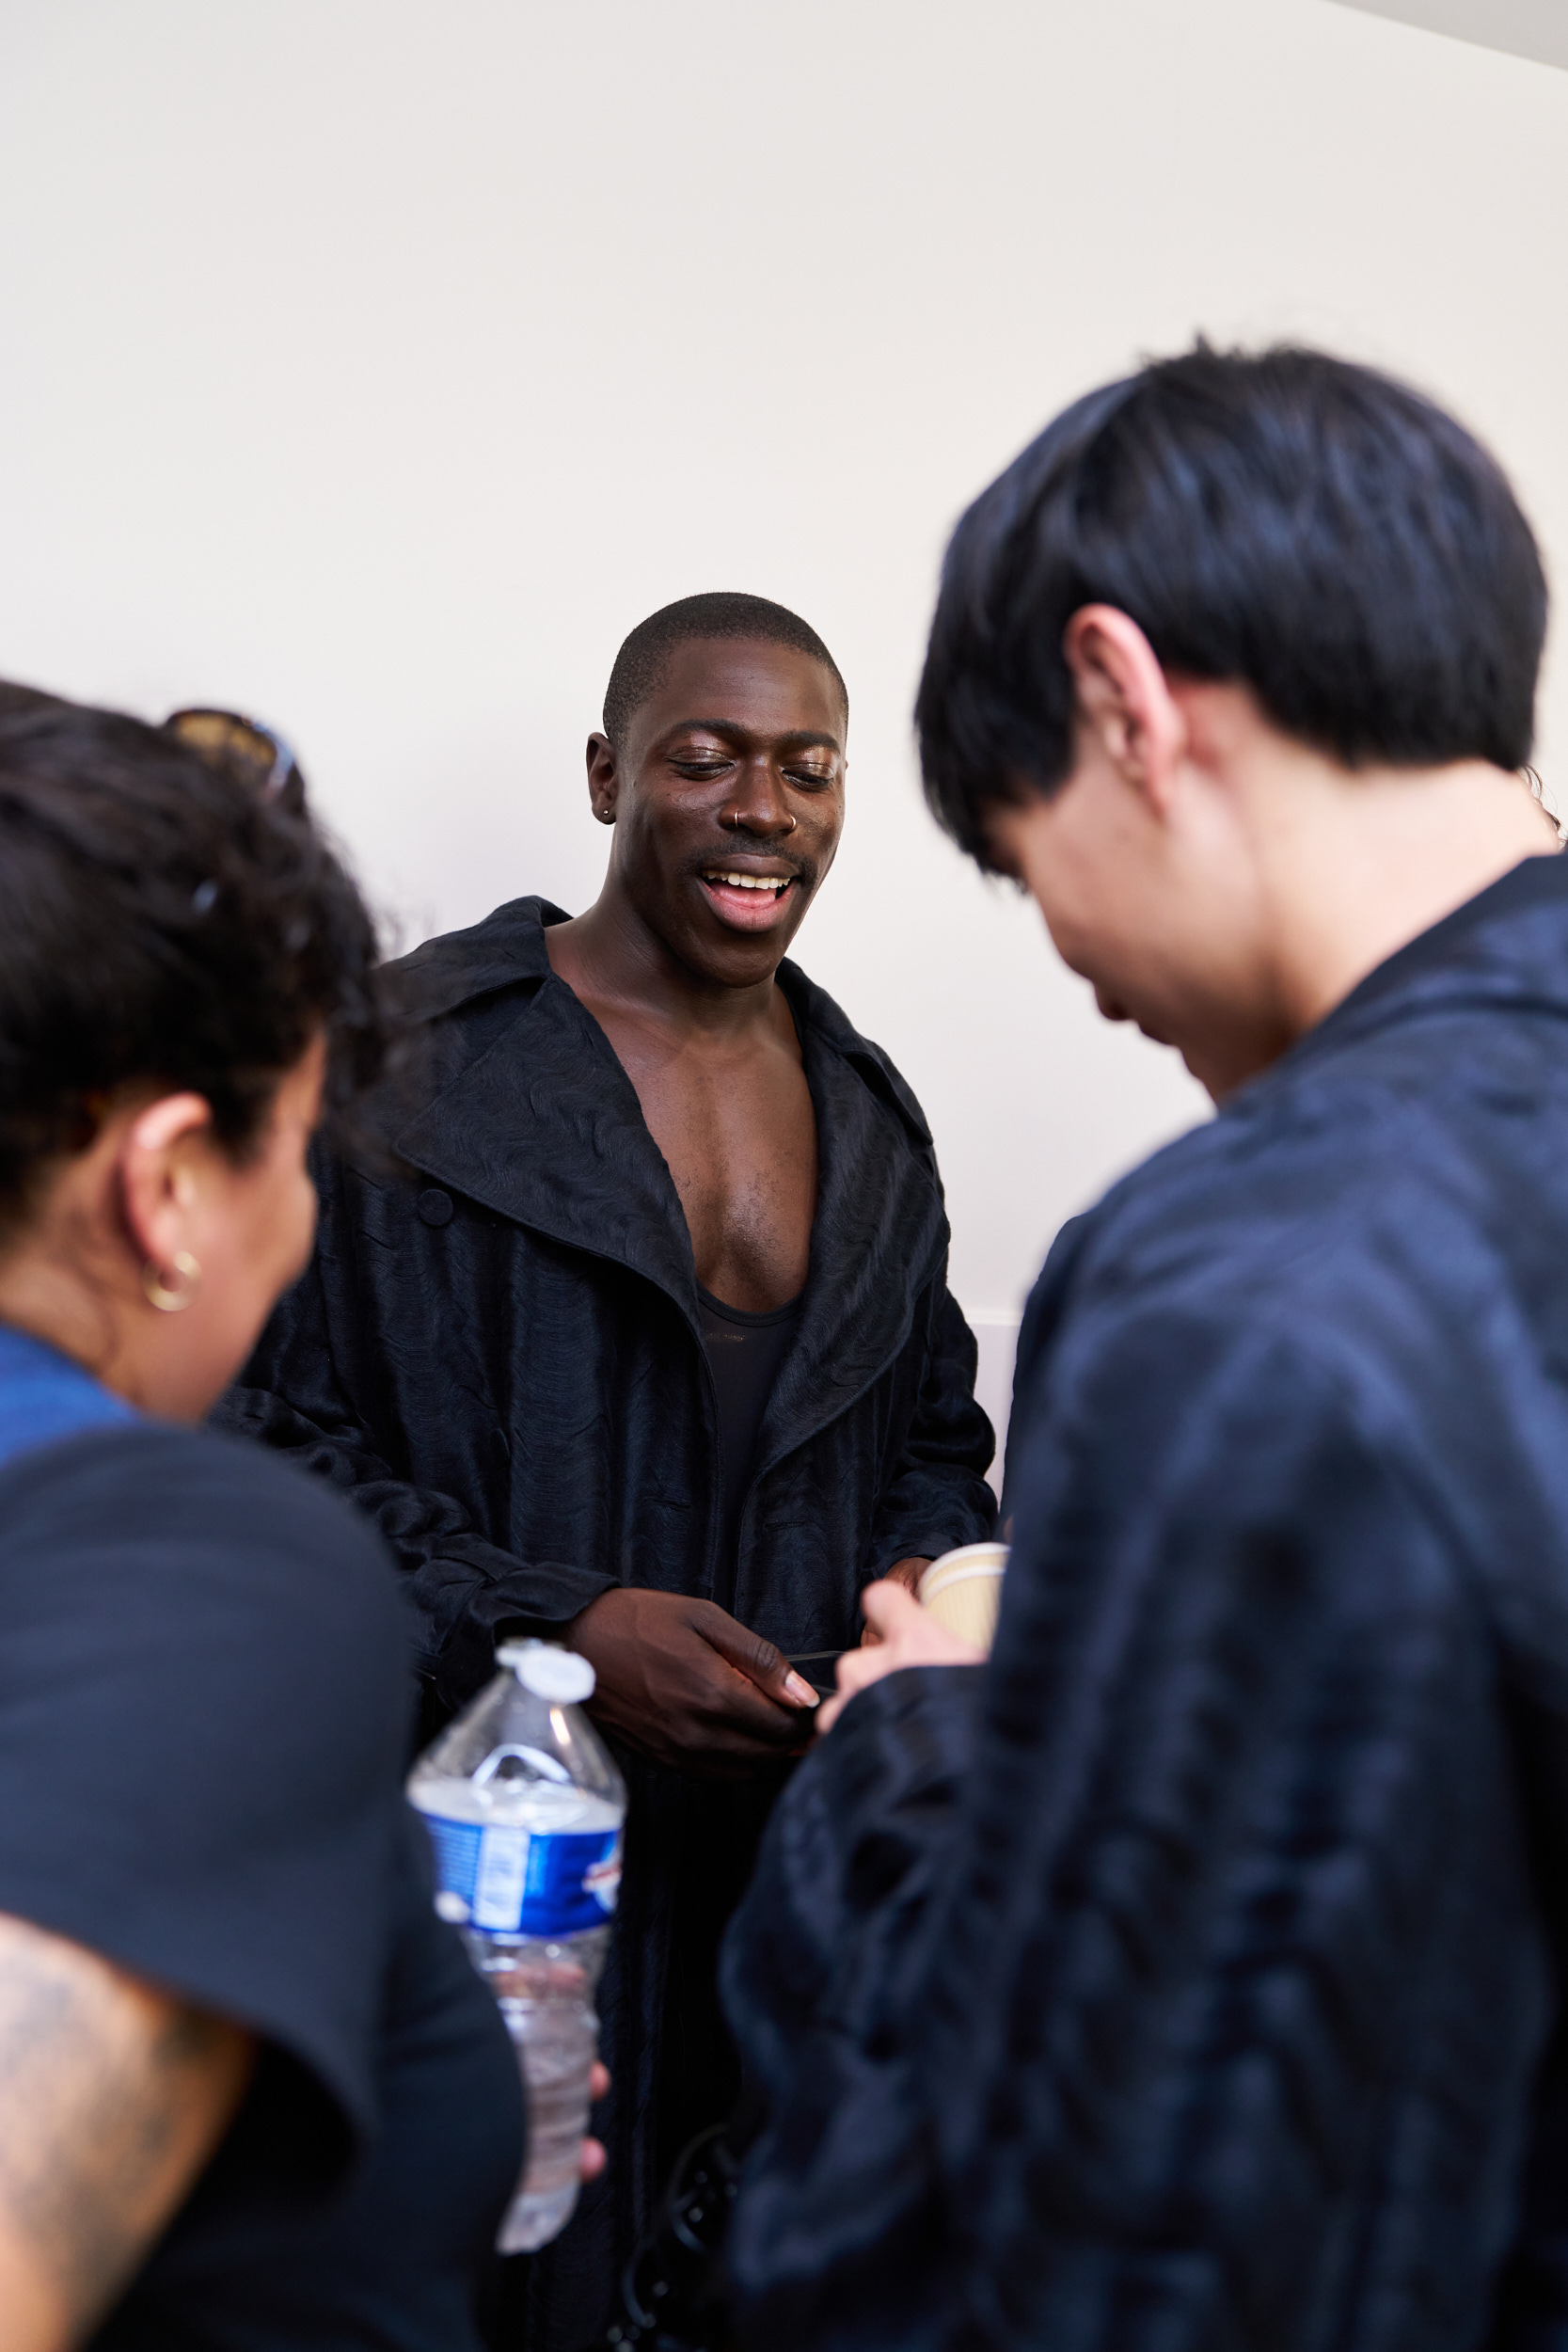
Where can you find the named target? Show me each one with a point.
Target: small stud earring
(167, 1300)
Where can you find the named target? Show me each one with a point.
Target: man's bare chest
(739, 1141)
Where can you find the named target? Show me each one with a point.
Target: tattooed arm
(112, 2096)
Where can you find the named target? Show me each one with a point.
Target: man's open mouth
(748, 902)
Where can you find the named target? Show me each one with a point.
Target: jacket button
(435, 1207)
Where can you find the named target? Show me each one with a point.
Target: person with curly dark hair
(252, 2091)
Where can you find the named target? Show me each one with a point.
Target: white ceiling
(1527, 28)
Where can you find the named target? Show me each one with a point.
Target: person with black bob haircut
(252, 2091)
(1246, 513)
(1190, 1973)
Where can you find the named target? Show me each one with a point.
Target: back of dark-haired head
(1284, 519)
(723, 613)
(161, 924)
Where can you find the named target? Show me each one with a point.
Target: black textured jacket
(497, 1352)
(1192, 1980)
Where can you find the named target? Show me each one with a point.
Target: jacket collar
(505, 949)
(1507, 945)
(533, 1117)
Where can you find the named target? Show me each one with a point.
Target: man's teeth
(750, 882)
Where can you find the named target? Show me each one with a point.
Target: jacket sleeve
(1092, 2041)
(937, 1497)
(460, 1587)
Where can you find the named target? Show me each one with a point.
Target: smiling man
(647, 1337)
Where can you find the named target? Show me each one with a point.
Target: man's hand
(684, 1684)
(905, 1635)
(905, 1572)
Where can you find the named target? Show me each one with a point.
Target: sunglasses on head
(245, 744)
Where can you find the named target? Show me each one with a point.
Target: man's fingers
(910, 1635)
(685, 1684)
(858, 1669)
(900, 1633)
(755, 1658)
(888, 1606)
(857, 1672)
(743, 1724)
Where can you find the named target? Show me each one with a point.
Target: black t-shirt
(203, 1713)
(747, 1352)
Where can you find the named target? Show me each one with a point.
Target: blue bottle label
(520, 1881)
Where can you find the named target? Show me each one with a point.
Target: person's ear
(604, 778)
(1122, 695)
(159, 1181)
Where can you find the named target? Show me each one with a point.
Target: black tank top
(746, 1352)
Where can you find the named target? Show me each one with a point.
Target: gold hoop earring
(160, 1295)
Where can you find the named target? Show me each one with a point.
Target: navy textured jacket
(496, 1352)
(1190, 1977)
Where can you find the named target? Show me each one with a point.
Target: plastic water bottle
(525, 1812)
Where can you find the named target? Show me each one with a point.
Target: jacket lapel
(541, 1125)
(880, 1230)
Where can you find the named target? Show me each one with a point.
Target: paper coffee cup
(963, 1590)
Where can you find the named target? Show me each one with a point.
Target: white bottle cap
(551, 1673)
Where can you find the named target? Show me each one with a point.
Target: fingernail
(799, 1690)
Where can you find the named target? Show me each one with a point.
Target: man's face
(1160, 914)
(728, 802)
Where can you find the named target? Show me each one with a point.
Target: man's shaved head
(640, 663)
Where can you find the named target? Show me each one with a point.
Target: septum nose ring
(735, 822)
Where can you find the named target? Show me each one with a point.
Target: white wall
(376, 364)
(1527, 28)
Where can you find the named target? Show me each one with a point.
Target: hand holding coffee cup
(910, 1635)
(963, 1590)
